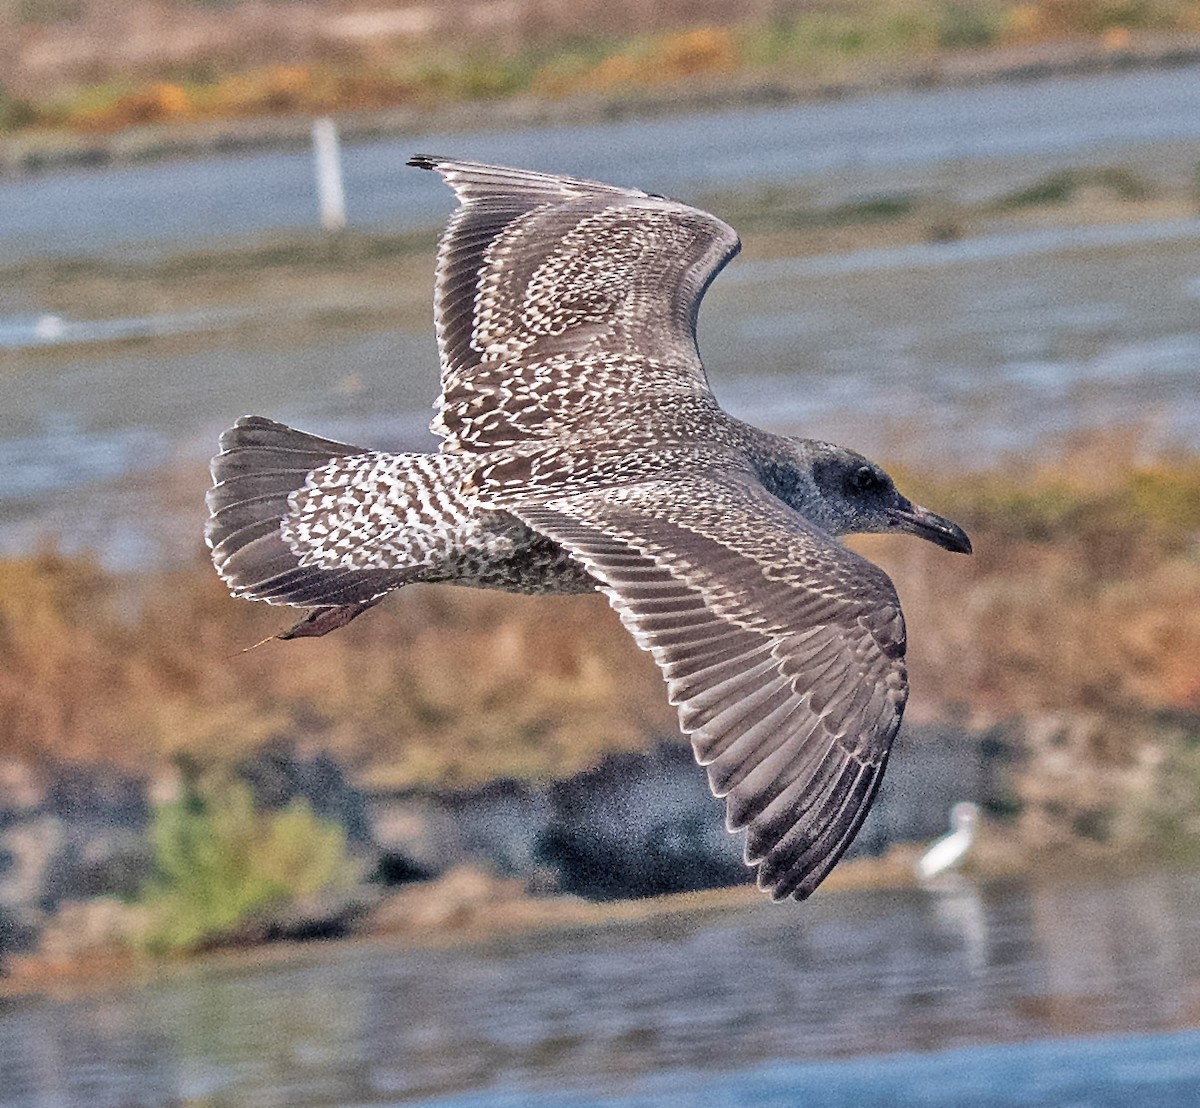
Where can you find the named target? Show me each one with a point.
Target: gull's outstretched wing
(783, 651)
(556, 295)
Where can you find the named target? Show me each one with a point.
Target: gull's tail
(261, 464)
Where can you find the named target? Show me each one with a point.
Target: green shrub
(15, 113)
(225, 868)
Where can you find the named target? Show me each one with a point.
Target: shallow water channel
(868, 997)
(959, 353)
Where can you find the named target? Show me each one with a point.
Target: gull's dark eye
(865, 479)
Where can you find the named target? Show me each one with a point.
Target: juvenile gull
(582, 449)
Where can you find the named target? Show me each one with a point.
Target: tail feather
(234, 512)
(260, 433)
(260, 465)
(242, 479)
(226, 541)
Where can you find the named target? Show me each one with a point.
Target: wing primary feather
(789, 683)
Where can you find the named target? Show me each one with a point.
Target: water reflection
(1108, 958)
(958, 912)
(849, 974)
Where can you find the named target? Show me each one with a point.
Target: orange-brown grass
(1081, 603)
(83, 69)
(449, 686)
(1077, 620)
(1083, 593)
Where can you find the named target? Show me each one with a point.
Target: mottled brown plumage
(583, 449)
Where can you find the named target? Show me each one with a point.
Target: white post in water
(330, 193)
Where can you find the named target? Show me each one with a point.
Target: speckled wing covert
(783, 651)
(554, 295)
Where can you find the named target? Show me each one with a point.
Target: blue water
(1051, 991)
(1150, 1071)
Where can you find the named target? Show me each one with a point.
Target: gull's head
(856, 496)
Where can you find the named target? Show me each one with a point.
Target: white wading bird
(948, 852)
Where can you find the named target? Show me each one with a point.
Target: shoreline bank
(468, 906)
(28, 153)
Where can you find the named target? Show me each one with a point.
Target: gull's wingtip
(425, 161)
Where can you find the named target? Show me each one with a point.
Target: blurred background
(456, 853)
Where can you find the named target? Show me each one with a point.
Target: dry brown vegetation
(440, 685)
(1083, 593)
(102, 65)
(1082, 603)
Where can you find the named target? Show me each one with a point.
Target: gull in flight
(582, 449)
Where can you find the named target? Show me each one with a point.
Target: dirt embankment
(91, 81)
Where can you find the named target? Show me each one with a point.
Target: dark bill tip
(937, 529)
